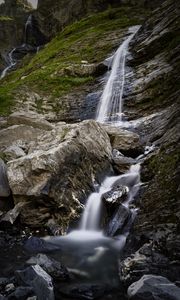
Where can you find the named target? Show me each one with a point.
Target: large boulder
(59, 172)
(151, 287)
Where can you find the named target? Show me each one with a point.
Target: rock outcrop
(153, 96)
(58, 172)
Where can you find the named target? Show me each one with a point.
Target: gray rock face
(124, 141)
(151, 287)
(39, 280)
(30, 119)
(61, 167)
(4, 184)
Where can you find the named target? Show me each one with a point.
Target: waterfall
(92, 212)
(27, 26)
(110, 105)
(11, 63)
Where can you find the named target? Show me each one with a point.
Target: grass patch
(89, 39)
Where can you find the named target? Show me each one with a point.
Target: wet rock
(4, 184)
(35, 244)
(127, 142)
(39, 280)
(29, 118)
(116, 195)
(154, 288)
(51, 266)
(84, 291)
(121, 163)
(21, 293)
(60, 168)
(119, 219)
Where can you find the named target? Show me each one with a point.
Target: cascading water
(92, 212)
(11, 63)
(12, 56)
(110, 105)
(28, 26)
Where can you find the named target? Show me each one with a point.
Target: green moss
(6, 18)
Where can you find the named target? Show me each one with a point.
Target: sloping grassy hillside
(90, 39)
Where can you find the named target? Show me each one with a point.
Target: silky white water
(11, 63)
(111, 101)
(92, 212)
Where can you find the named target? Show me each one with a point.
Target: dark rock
(35, 244)
(4, 184)
(147, 260)
(153, 288)
(122, 163)
(21, 293)
(120, 218)
(39, 280)
(51, 266)
(11, 216)
(116, 196)
(84, 291)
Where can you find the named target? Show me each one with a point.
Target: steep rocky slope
(13, 15)
(154, 97)
(54, 15)
(57, 80)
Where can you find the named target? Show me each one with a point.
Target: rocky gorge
(54, 155)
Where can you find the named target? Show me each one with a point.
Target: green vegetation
(6, 18)
(89, 39)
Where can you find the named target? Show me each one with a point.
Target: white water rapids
(111, 102)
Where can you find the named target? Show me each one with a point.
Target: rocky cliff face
(54, 15)
(13, 15)
(154, 97)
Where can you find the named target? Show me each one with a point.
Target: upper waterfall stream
(111, 102)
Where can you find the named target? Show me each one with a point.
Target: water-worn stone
(153, 288)
(51, 266)
(61, 169)
(116, 195)
(122, 163)
(4, 184)
(39, 280)
(117, 222)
